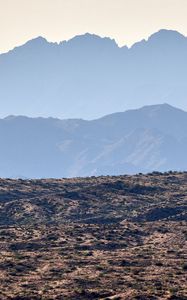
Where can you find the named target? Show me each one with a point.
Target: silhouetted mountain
(89, 76)
(153, 138)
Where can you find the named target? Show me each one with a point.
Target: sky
(127, 21)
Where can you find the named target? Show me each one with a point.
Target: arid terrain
(120, 237)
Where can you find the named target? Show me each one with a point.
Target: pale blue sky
(127, 21)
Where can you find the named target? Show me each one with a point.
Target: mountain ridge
(40, 39)
(142, 140)
(146, 107)
(88, 76)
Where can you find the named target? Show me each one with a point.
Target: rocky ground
(118, 237)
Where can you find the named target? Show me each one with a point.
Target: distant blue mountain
(153, 138)
(88, 76)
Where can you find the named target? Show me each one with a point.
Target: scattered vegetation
(94, 238)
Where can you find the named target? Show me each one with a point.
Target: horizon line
(94, 119)
(93, 34)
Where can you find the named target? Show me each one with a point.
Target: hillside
(153, 138)
(89, 76)
(107, 237)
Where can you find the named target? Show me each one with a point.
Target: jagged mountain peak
(38, 40)
(90, 40)
(163, 37)
(166, 35)
(33, 44)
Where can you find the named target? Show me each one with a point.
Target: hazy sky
(127, 21)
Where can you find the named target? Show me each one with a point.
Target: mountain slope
(89, 76)
(149, 139)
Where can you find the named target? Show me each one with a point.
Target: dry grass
(94, 238)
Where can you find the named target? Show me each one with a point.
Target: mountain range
(152, 138)
(89, 76)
